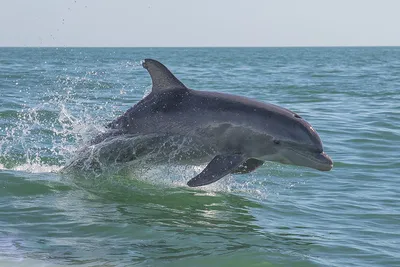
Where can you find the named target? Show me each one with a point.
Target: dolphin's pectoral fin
(218, 167)
(161, 77)
(248, 166)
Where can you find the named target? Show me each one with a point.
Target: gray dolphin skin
(232, 134)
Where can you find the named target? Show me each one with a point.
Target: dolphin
(229, 133)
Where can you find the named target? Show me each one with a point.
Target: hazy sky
(199, 23)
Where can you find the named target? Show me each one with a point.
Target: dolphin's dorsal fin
(161, 77)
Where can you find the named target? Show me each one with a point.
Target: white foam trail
(33, 168)
(37, 168)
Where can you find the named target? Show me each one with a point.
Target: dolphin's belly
(187, 139)
(175, 149)
(152, 148)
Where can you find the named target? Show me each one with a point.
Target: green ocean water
(53, 100)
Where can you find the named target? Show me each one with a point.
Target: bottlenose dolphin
(233, 134)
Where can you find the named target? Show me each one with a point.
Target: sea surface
(53, 100)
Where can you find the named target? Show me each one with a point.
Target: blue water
(54, 100)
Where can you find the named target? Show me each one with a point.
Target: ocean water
(53, 100)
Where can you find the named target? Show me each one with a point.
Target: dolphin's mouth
(320, 161)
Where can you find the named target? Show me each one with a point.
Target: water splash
(42, 136)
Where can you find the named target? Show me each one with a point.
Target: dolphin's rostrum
(232, 134)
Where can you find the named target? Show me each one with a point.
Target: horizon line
(284, 46)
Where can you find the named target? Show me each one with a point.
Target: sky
(180, 23)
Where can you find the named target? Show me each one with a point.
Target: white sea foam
(37, 168)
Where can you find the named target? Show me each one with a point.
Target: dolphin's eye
(277, 142)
